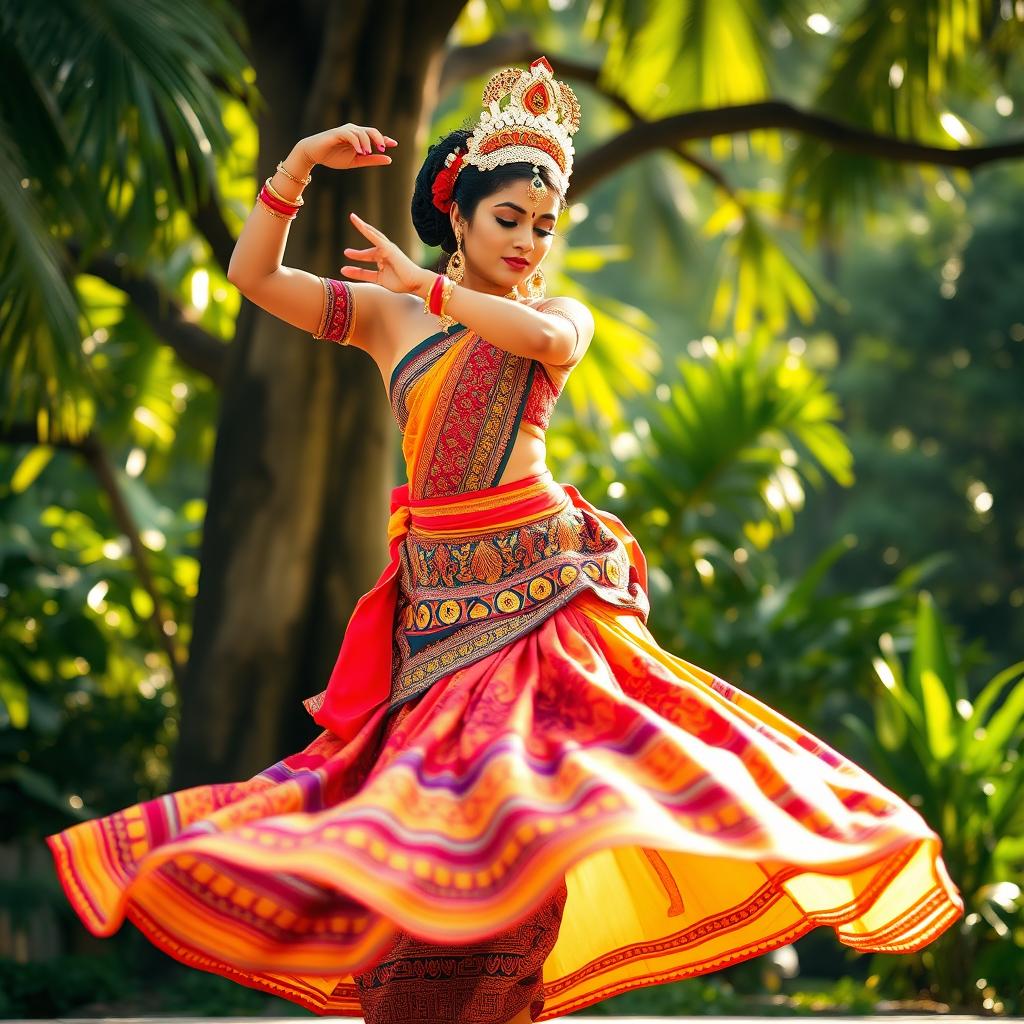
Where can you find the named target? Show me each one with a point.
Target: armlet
(339, 313)
(558, 311)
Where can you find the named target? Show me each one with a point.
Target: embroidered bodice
(486, 397)
(541, 399)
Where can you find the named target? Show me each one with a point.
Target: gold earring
(456, 264)
(536, 285)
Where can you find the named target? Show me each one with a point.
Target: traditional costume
(517, 797)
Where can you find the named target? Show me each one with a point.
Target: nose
(524, 243)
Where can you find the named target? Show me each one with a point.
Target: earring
(456, 264)
(536, 285)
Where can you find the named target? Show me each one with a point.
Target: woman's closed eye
(512, 224)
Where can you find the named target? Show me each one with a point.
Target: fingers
(361, 254)
(382, 141)
(372, 160)
(365, 148)
(360, 273)
(350, 134)
(362, 140)
(368, 229)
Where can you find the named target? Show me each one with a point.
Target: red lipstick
(516, 263)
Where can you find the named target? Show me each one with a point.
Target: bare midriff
(529, 451)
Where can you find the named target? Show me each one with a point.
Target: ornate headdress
(535, 126)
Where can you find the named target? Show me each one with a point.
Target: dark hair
(472, 185)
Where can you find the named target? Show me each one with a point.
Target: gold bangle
(288, 174)
(284, 199)
(447, 287)
(273, 212)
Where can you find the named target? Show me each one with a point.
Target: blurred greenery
(959, 763)
(803, 398)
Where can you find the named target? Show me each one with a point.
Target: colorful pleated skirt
(570, 814)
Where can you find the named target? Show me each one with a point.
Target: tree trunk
(298, 496)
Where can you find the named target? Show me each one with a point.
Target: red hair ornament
(444, 183)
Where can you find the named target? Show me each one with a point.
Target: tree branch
(608, 157)
(194, 346)
(668, 133)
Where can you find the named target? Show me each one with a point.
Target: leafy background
(803, 397)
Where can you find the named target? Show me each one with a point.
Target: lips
(518, 264)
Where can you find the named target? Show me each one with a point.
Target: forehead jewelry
(536, 190)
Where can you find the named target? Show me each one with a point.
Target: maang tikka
(536, 190)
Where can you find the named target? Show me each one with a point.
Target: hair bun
(433, 226)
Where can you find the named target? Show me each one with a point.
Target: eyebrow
(519, 209)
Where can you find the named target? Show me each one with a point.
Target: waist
(514, 503)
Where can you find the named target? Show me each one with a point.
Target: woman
(519, 803)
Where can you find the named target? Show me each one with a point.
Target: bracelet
(428, 301)
(447, 287)
(288, 174)
(266, 206)
(297, 202)
(434, 295)
(269, 200)
(437, 298)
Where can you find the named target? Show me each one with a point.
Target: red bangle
(275, 204)
(434, 299)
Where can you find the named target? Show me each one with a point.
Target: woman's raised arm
(297, 296)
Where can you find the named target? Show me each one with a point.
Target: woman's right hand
(349, 145)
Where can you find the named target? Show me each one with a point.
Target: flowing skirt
(596, 812)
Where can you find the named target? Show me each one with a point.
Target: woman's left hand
(394, 270)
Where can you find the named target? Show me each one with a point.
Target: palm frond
(732, 442)
(890, 71)
(685, 53)
(116, 119)
(40, 346)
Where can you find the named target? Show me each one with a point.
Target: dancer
(519, 803)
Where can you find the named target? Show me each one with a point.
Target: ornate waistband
(514, 503)
(494, 572)
(469, 573)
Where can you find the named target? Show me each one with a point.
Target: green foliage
(743, 428)
(109, 135)
(29, 990)
(87, 702)
(929, 377)
(723, 450)
(715, 996)
(892, 71)
(960, 764)
(109, 119)
(123, 983)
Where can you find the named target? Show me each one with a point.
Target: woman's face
(509, 236)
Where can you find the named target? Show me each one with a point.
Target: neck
(477, 283)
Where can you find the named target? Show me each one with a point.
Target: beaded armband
(339, 314)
